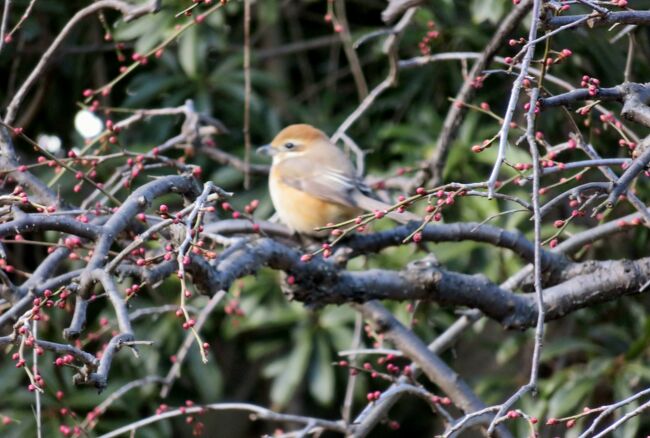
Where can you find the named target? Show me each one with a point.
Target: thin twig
(556, 31)
(37, 394)
(388, 82)
(602, 162)
(537, 265)
(174, 371)
(450, 128)
(609, 410)
(627, 75)
(623, 419)
(370, 351)
(247, 92)
(624, 17)
(25, 15)
(257, 412)
(191, 225)
(594, 6)
(116, 395)
(358, 152)
(3, 24)
(352, 377)
(348, 49)
(514, 98)
(128, 11)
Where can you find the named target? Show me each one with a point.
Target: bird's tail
(370, 204)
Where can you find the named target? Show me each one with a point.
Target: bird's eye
(289, 145)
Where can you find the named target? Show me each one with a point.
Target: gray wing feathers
(337, 187)
(328, 188)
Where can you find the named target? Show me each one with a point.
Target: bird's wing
(341, 188)
(326, 184)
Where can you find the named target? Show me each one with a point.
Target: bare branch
(456, 113)
(257, 412)
(435, 369)
(390, 48)
(596, 20)
(514, 97)
(537, 268)
(128, 11)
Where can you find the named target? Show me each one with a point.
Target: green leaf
(639, 345)
(321, 378)
(145, 87)
(508, 349)
(568, 398)
(563, 346)
(622, 391)
(291, 371)
(209, 373)
(148, 41)
(149, 24)
(486, 10)
(188, 52)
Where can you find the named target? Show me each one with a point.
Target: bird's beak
(266, 150)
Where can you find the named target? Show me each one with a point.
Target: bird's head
(294, 141)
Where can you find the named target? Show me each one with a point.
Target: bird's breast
(303, 212)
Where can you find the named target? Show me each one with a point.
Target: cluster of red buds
(66, 430)
(513, 42)
(477, 82)
(561, 56)
(327, 250)
(478, 148)
(330, 18)
(248, 209)
(626, 143)
(186, 324)
(568, 423)
(132, 290)
(523, 166)
(233, 308)
(592, 84)
(536, 110)
(64, 360)
(19, 191)
(610, 119)
(425, 43)
(551, 163)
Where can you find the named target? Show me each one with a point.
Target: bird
(313, 183)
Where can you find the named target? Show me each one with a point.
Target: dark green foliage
(278, 353)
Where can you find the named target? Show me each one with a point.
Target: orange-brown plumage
(302, 131)
(303, 212)
(313, 183)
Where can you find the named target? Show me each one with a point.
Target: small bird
(313, 183)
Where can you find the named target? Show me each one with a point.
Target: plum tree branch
(434, 168)
(436, 370)
(514, 97)
(596, 20)
(128, 11)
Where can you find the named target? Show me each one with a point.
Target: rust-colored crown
(300, 132)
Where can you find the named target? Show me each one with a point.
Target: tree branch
(597, 20)
(128, 11)
(436, 370)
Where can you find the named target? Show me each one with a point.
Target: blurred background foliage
(278, 353)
